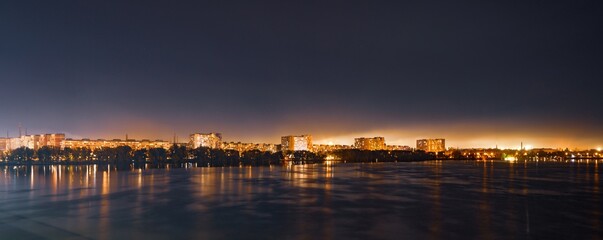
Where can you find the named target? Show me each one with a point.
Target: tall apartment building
(56, 140)
(4, 144)
(374, 143)
(210, 140)
(296, 143)
(35, 141)
(432, 145)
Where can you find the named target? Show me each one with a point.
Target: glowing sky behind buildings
(478, 73)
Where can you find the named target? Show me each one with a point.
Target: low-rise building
(243, 147)
(397, 148)
(102, 143)
(330, 147)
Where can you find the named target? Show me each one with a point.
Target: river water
(419, 200)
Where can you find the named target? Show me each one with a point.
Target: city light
(375, 143)
(599, 149)
(510, 158)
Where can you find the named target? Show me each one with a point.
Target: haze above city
(479, 74)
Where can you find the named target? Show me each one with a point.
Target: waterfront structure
(102, 143)
(243, 147)
(52, 140)
(432, 145)
(397, 148)
(296, 143)
(14, 143)
(209, 140)
(374, 143)
(4, 144)
(329, 147)
(55, 140)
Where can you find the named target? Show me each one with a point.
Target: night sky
(479, 73)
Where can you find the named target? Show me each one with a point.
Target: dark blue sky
(475, 72)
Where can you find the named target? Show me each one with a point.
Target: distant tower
(521, 146)
(19, 129)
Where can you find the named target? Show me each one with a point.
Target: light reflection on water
(434, 199)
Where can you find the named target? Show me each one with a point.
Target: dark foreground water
(450, 199)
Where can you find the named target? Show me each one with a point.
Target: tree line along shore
(124, 156)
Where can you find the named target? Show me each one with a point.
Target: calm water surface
(449, 199)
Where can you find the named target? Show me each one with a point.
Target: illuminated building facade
(296, 143)
(397, 148)
(431, 145)
(102, 143)
(51, 140)
(243, 147)
(210, 140)
(4, 144)
(374, 143)
(329, 147)
(55, 140)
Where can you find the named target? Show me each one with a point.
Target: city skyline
(347, 139)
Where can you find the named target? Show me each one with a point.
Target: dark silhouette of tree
(21, 155)
(140, 158)
(457, 154)
(105, 155)
(157, 156)
(123, 157)
(232, 157)
(44, 154)
(84, 154)
(68, 154)
(56, 154)
(304, 157)
(202, 156)
(178, 154)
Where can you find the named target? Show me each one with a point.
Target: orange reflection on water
(484, 216)
(436, 200)
(104, 208)
(596, 193)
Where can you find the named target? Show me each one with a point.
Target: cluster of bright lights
(243, 147)
(510, 158)
(374, 143)
(211, 140)
(432, 145)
